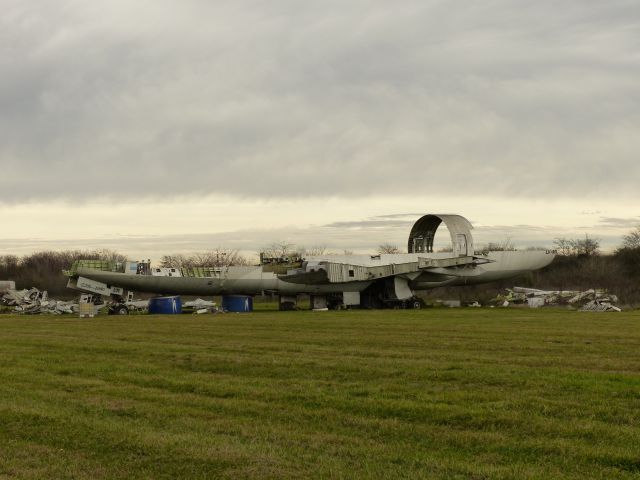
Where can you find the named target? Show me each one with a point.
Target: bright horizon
(147, 230)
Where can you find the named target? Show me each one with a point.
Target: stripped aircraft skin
(366, 280)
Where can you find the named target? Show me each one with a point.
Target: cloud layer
(287, 99)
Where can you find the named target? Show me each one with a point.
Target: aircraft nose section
(520, 261)
(533, 260)
(536, 260)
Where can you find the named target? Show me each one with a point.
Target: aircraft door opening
(461, 240)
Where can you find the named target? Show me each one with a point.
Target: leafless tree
(174, 261)
(110, 255)
(218, 257)
(505, 245)
(315, 251)
(278, 249)
(563, 246)
(229, 257)
(388, 248)
(568, 247)
(587, 247)
(632, 239)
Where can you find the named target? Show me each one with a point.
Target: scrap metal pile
(200, 306)
(588, 300)
(34, 301)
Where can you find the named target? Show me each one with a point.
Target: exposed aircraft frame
(334, 281)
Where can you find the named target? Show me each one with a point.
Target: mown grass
(473, 393)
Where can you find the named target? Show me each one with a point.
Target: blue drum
(165, 305)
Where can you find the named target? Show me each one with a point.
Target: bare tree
(563, 246)
(315, 251)
(229, 257)
(574, 247)
(587, 247)
(281, 252)
(9, 262)
(628, 255)
(174, 261)
(632, 239)
(218, 257)
(504, 246)
(388, 248)
(110, 255)
(278, 249)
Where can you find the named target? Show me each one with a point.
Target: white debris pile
(588, 300)
(140, 306)
(599, 306)
(200, 306)
(34, 301)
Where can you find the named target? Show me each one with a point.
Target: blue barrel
(237, 303)
(165, 305)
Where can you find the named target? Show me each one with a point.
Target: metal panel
(318, 302)
(100, 288)
(343, 272)
(423, 232)
(351, 298)
(445, 262)
(201, 272)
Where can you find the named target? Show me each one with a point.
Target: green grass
(437, 393)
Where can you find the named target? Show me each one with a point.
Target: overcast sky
(158, 126)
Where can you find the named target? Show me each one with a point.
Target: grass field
(460, 393)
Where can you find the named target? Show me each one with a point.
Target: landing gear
(288, 302)
(376, 297)
(415, 304)
(118, 310)
(287, 306)
(335, 302)
(410, 304)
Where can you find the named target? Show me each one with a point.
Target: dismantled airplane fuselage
(331, 280)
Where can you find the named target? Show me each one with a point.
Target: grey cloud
(370, 224)
(290, 99)
(520, 227)
(391, 220)
(414, 216)
(335, 237)
(614, 222)
(249, 241)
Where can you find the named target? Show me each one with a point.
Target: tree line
(580, 265)
(43, 270)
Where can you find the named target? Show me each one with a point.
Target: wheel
(287, 306)
(119, 310)
(416, 304)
